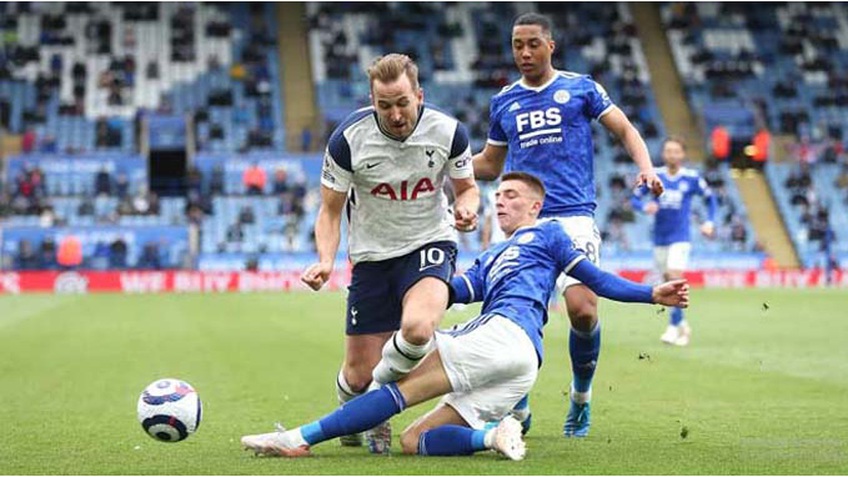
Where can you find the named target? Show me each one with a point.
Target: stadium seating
(779, 65)
(822, 195)
(75, 79)
(77, 76)
(113, 60)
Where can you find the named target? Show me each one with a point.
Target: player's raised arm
(613, 287)
(489, 163)
(617, 123)
(327, 237)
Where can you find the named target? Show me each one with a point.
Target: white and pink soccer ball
(169, 410)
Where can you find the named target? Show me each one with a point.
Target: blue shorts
(374, 304)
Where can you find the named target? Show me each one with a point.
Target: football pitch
(762, 389)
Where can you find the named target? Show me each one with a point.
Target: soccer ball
(169, 410)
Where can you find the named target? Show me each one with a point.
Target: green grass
(759, 392)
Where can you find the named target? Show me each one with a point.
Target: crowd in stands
(49, 93)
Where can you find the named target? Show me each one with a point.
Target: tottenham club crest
(562, 96)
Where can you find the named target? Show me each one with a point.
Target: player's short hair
(532, 18)
(389, 67)
(675, 139)
(532, 181)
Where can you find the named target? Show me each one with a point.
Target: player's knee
(358, 378)
(409, 441)
(419, 332)
(583, 315)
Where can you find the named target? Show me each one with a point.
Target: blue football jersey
(547, 130)
(671, 224)
(515, 278)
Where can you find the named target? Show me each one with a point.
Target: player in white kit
(386, 164)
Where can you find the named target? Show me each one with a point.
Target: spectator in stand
(738, 233)
(254, 179)
(246, 216)
(762, 145)
(216, 182)
(281, 185)
(103, 182)
(5, 204)
(47, 254)
(69, 254)
(194, 180)
(197, 207)
(100, 258)
(26, 259)
(235, 233)
(141, 202)
(150, 259)
(38, 181)
(720, 143)
(118, 254)
(152, 70)
(122, 186)
(86, 207)
(799, 178)
(101, 133)
(155, 206)
(28, 141)
(48, 144)
(47, 217)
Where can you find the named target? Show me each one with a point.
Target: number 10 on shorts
(431, 257)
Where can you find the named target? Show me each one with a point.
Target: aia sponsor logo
(405, 190)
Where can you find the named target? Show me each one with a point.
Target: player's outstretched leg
(584, 349)
(345, 394)
(357, 415)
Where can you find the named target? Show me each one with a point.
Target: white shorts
(672, 257)
(586, 237)
(491, 364)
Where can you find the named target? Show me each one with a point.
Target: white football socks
(399, 357)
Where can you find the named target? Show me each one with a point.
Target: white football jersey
(396, 201)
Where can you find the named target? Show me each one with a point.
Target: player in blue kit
(486, 365)
(671, 225)
(542, 124)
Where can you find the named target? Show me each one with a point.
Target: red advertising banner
(245, 282)
(158, 282)
(753, 278)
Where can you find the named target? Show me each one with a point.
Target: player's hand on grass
(465, 220)
(651, 208)
(672, 293)
(652, 181)
(317, 275)
(708, 229)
